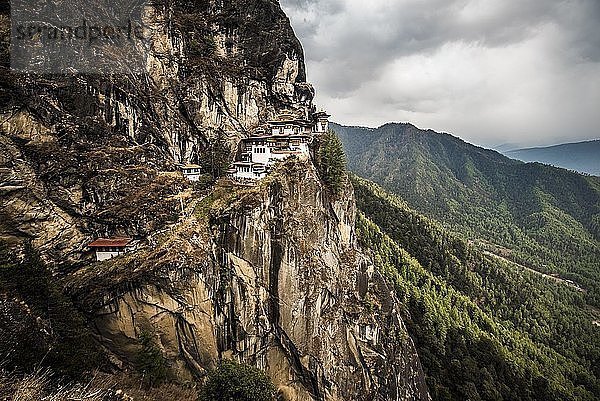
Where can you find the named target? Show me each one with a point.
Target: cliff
(269, 275)
(76, 149)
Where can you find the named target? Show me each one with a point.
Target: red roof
(117, 242)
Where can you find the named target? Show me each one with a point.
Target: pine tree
(332, 162)
(215, 158)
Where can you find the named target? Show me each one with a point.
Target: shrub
(234, 381)
(151, 362)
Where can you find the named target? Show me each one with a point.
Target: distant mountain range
(583, 157)
(525, 210)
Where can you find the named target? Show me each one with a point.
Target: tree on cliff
(331, 162)
(151, 362)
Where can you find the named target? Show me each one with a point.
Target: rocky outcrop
(78, 145)
(273, 278)
(269, 275)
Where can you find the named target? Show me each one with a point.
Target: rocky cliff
(78, 150)
(269, 275)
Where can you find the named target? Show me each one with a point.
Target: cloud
(489, 71)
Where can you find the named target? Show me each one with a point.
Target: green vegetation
(234, 381)
(217, 198)
(40, 325)
(542, 217)
(151, 363)
(484, 329)
(331, 162)
(222, 195)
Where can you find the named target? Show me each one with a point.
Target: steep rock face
(74, 150)
(270, 276)
(274, 280)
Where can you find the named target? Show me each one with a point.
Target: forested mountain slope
(543, 217)
(581, 156)
(484, 328)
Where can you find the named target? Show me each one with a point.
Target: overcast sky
(489, 71)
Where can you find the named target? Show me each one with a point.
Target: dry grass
(42, 386)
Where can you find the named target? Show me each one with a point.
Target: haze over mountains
(583, 157)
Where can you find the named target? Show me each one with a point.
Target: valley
(465, 296)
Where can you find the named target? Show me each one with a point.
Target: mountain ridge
(528, 208)
(583, 157)
(555, 145)
(514, 151)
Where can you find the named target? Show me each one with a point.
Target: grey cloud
(582, 26)
(362, 43)
(520, 53)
